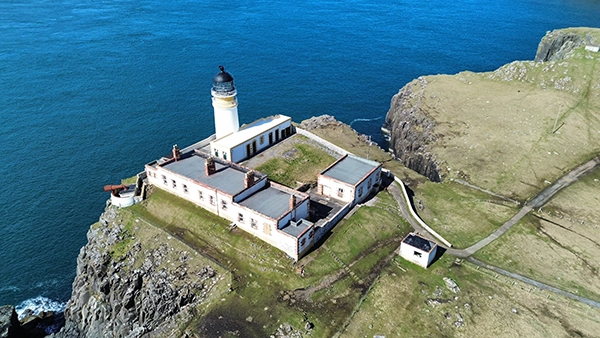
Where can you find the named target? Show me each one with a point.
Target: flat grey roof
(351, 169)
(419, 242)
(297, 228)
(269, 201)
(226, 178)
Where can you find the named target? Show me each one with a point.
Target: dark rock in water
(9, 323)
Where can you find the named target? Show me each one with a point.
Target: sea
(90, 91)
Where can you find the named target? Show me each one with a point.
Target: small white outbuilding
(418, 250)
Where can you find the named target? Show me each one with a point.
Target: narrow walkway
(537, 202)
(535, 283)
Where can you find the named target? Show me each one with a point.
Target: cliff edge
(134, 280)
(512, 130)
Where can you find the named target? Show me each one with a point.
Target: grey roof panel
(419, 242)
(351, 169)
(269, 201)
(297, 228)
(226, 179)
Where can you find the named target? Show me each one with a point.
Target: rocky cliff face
(417, 112)
(133, 282)
(557, 45)
(412, 130)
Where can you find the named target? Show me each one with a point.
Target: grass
(399, 304)
(461, 214)
(544, 251)
(262, 276)
(300, 164)
(497, 130)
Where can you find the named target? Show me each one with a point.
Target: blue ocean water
(90, 91)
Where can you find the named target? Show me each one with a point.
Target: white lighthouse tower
(224, 101)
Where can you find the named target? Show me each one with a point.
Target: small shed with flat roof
(418, 249)
(350, 179)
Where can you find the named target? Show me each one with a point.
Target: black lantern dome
(223, 84)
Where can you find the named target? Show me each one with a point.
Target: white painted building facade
(252, 139)
(272, 212)
(350, 179)
(418, 250)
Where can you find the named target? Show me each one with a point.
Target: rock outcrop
(129, 287)
(9, 323)
(434, 122)
(412, 130)
(557, 45)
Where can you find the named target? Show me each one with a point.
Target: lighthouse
(224, 101)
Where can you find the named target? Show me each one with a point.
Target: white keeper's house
(209, 176)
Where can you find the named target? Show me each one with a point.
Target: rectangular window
(185, 189)
(311, 234)
(216, 153)
(369, 183)
(418, 254)
(200, 195)
(241, 217)
(340, 192)
(174, 184)
(212, 200)
(224, 205)
(360, 191)
(165, 180)
(224, 155)
(303, 241)
(253, 223)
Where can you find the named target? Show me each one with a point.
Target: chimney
(209, 166)
(176, 152)
(292, 202)
(249, 179)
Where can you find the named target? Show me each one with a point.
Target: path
(535, 283)
(538, 201)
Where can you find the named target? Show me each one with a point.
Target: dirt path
(535, 283)
(537, 202)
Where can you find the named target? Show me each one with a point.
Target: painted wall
(331, 188)
(375, 180)
(416, 255)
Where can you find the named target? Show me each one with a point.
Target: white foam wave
(365, 120)
(39, 304)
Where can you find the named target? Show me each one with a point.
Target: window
(174, 184)
(360, 191)
(261, 140)
(165, 180)
(378, 176)
(311, 234)
(340, 192)
(303, 241)
(253, 223)
(241, 217)
(369, 183)
(216, 153)
(212, 200)
(185, 189)
(200, 195)
(224, 155)
(224, 205)
(418, 254)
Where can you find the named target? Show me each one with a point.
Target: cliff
(134, 280)
(495, 128)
